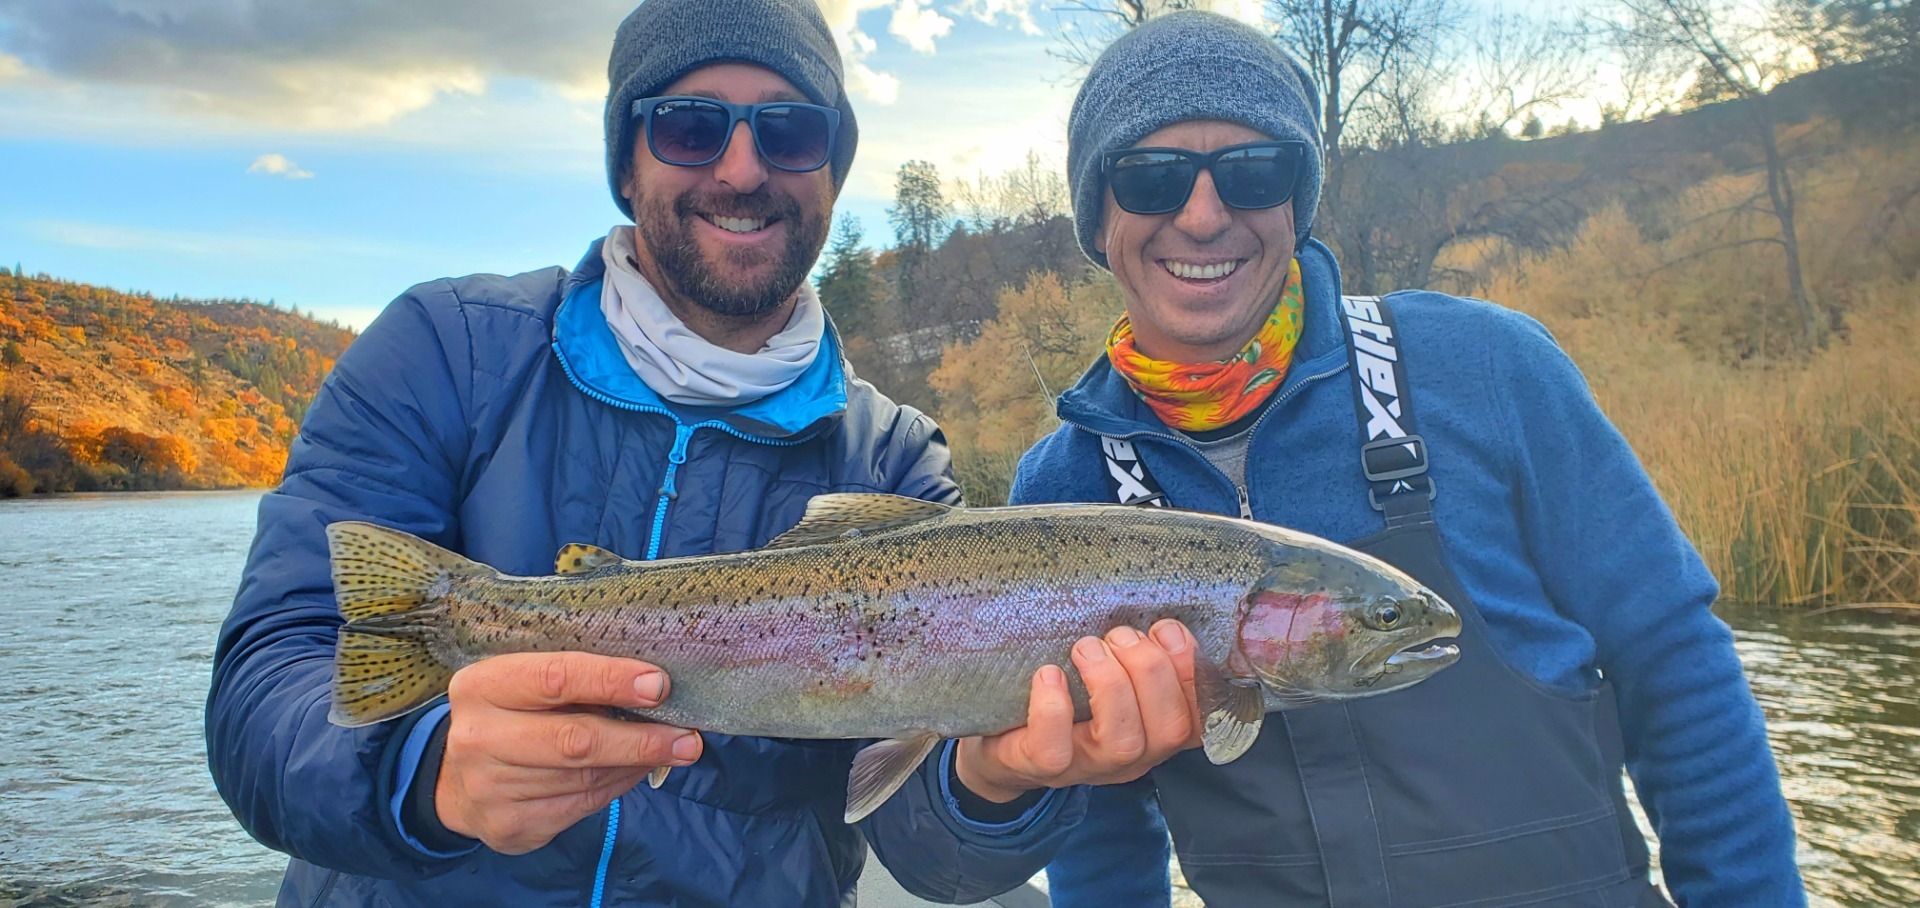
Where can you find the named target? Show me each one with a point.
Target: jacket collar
(1103, 402)
(590, 354)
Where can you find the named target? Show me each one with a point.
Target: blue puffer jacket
(496, 417)
(1551, 526)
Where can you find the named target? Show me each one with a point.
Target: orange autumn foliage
(126, 391)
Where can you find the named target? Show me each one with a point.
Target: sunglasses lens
(1151, 182)
(1259, 177)
(793, 138)
(687, 132)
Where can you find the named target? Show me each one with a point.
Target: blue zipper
(606, 852)
(669, 490)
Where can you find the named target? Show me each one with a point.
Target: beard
(742, 283)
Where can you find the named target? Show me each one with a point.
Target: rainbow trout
(892, 618)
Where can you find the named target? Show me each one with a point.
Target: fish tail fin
(383, 581)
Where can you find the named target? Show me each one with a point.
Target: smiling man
(1448, 436)
(680, 392)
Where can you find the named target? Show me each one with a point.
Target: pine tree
(847, 287)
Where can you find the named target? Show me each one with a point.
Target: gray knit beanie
(663, 40)
(1183, 66)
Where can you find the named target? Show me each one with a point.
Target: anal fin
(1234, 709)
(880, 769)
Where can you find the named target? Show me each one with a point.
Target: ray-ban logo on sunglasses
(694, 132)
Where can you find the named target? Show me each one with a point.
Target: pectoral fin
(657, 777)
(1234, 709)
(879, 771)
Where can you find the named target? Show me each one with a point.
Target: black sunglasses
(1158, 180)
(694, 132)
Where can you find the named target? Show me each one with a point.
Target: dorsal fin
(850, 515)
(580, 558)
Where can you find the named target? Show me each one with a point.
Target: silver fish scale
(938, 626)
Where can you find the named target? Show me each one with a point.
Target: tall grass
(1798, 477)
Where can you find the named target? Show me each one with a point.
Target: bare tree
(1741, 50)
(1375, 64)
(1086, 27)
(1032, 193)
(1520, 67)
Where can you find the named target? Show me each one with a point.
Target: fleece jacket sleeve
(1614, 560)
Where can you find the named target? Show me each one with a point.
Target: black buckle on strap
(1388, 460)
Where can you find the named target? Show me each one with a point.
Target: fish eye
(1386, 616)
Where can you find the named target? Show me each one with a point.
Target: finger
(1181, 646)
(578, 741)
(544, 681)
(527, 784)
(1114, 734)
(1165, 718)
(1047, 746)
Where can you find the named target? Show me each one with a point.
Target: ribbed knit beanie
(662, 40)
(1189, 65)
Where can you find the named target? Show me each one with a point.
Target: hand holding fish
(1141, 693)
(528, 753)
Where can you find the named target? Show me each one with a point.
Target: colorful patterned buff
(1208, 396)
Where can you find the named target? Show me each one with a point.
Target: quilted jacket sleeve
(384, 440)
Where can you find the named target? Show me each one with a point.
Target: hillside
(102, 390)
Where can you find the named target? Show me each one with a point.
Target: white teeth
(1199, 272)
(738, 225)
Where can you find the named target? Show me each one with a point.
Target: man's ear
(1106, 221)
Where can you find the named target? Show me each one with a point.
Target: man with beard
(680, 392)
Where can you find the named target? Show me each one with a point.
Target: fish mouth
(1429, 655)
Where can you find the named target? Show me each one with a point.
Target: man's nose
(740, 166)
(1204, 217)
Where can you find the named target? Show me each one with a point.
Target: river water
(109, 605)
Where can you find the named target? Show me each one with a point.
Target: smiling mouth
(739, 225)
(1201, 274)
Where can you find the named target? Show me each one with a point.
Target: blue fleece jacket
(1553, 528)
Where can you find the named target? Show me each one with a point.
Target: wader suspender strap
(1128, 479)
(1326, 739)
(1392, 456)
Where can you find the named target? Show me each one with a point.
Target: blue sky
(276, 150)
(328, 155)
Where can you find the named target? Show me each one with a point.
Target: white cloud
(11, 67)
(918, 25)
(278, 165)
(297, 64)
(1019, 12)
(878, 87)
